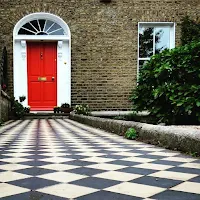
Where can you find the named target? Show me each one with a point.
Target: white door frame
(63, 58)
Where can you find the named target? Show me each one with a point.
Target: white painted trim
(42, 15)
(41, 37)
(63, 58)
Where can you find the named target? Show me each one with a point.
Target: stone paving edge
(176, 138)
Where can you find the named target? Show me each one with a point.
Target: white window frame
(155, 24)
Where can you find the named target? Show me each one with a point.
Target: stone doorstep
(46, 115)
(184, 139)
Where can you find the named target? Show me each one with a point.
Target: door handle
(53, 78)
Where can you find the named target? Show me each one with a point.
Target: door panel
(35, 94)
(49, 96)
(42, 66)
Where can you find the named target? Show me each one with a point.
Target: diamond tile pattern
(62, 159)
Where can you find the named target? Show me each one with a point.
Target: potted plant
(56, 109)
(65, 108)
(27, 109)
(82, 109)
(22, 98)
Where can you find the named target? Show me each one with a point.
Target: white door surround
(63, 57)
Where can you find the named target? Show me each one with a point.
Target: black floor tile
(196, 161)
(35, 163)
(175, 195)
(4, 163)
(79, 163)
(134, 170)
(196, 179)
(136, 150)
(115, 156)
(4, 156)
(33, 183)
(86, 171)
(159, 182)
(151, 156)
(106, 151)
(36, 157)
(33, 195)
(1, 170)
(35, 171)
(184, 170)
(166, 162)
(104, 195)
(123, 162)
(94, 182)
(74, 156)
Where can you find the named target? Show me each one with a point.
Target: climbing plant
(190, 30)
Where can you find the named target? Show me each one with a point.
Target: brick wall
(104, 41)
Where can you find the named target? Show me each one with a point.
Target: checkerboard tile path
(62, 159)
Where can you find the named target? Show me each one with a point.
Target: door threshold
(41, 111)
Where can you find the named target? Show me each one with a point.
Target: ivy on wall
(190, 29)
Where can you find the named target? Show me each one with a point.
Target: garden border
(176, 138)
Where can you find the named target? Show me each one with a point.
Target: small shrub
(82, 109)
(65, 105)
(18, 109)
(22, 98)
(56, 109)
(131, 134)
(169, 86)
(27, 109)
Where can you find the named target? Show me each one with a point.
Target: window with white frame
(154, 38)
(41, 27)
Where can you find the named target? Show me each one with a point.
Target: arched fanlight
(41, 27)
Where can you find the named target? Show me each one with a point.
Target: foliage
(82, 109)
(27, 109)
(131, 134)
(18, 109)
(65, 105)
(22, 98)
(169, 86)
(190, 30)
(56, 109)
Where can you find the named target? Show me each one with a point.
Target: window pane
(35, 24)
(29, 27)
(146, 42)
(162, 38)
(48, 25)
(25, 32)
(53, 28)
(58, 32)
(42, 22)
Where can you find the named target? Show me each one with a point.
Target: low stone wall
(5, 106)
(175, 138)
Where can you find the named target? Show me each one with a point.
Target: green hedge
(169, 86)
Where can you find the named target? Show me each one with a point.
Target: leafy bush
(169, 86)
(18, 109)
(65, 105)
(131, 134)
(190, 30)
(82, 109)
(22, 98)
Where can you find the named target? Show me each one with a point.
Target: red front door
(42, 75)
